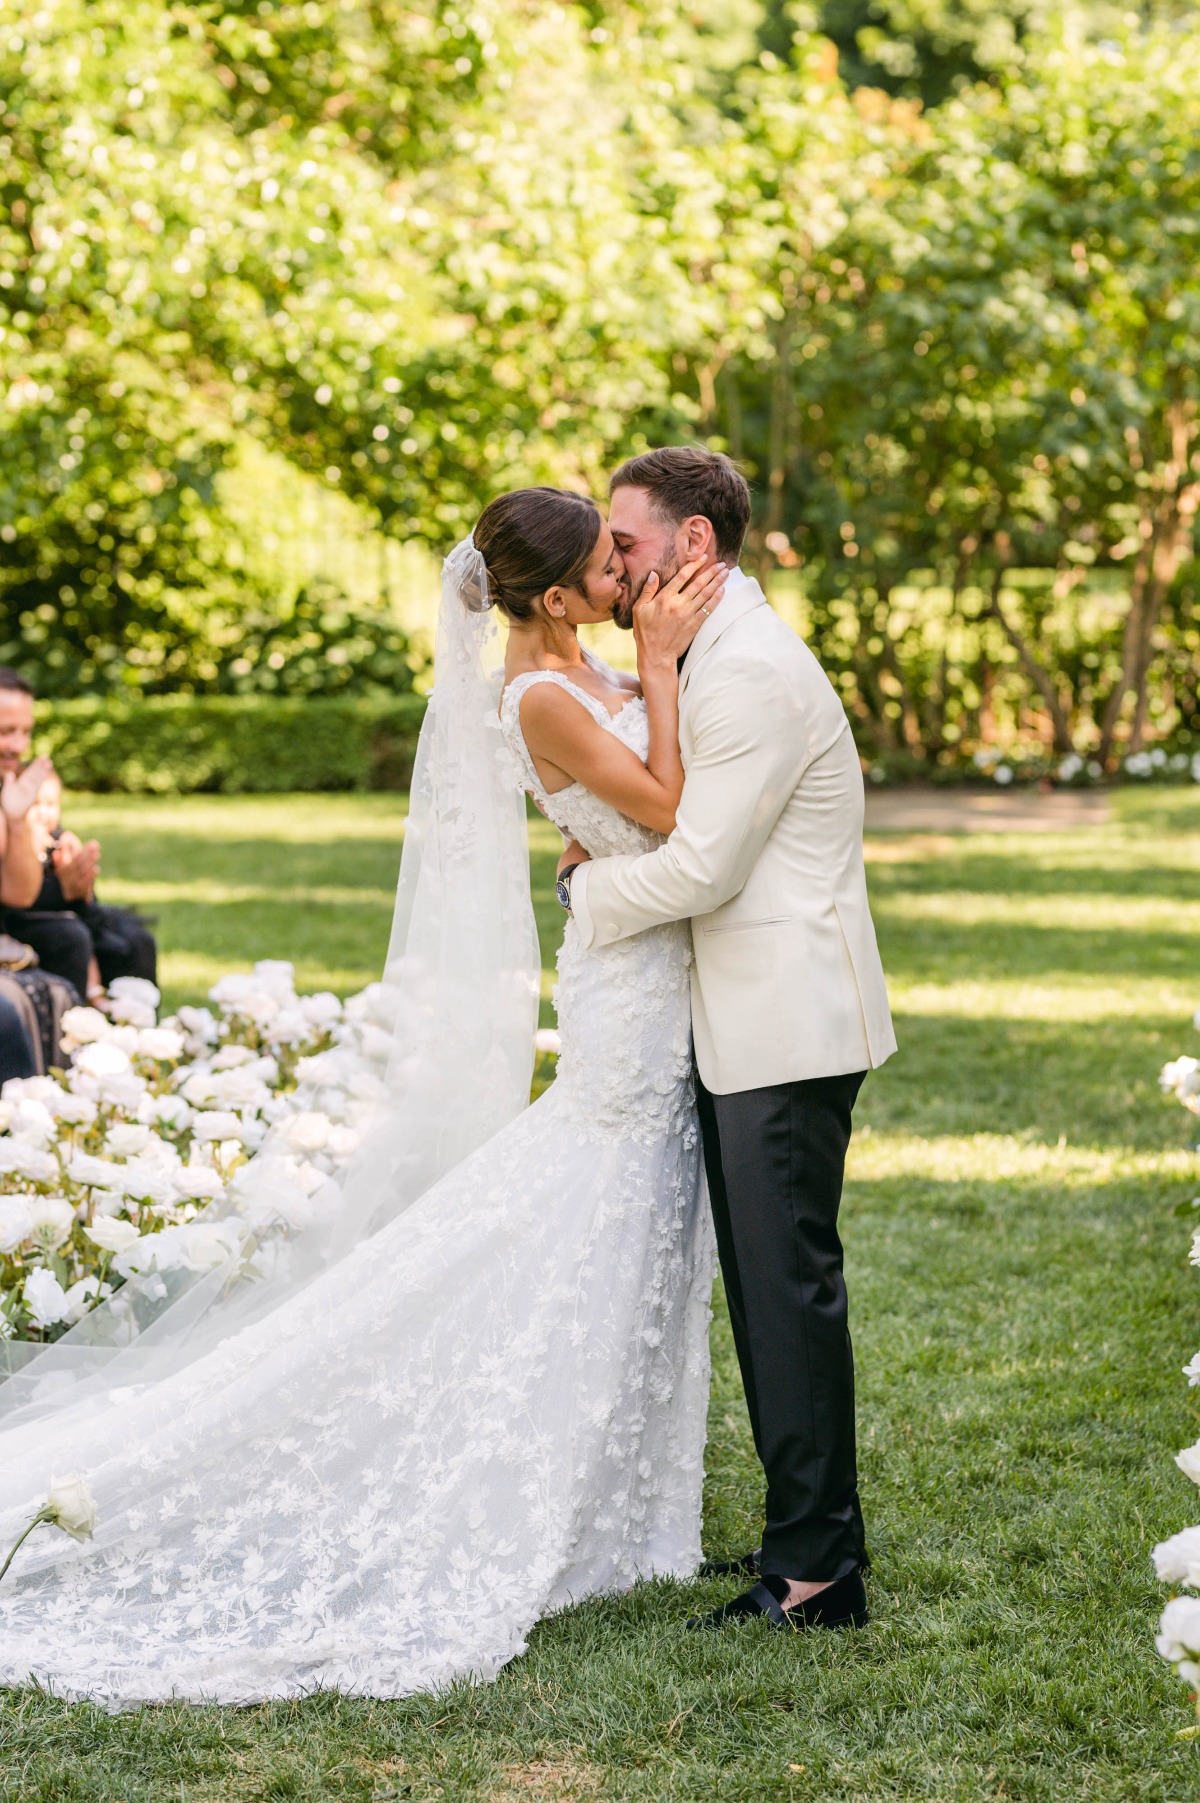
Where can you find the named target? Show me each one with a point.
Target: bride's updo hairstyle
(533, 539)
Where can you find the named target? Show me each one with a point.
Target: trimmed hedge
(229, 745)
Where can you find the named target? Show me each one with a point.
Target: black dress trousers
(775, 1159)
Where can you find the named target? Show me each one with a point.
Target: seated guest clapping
(73, 935)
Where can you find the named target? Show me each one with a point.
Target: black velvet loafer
(839, 1605)
(744, 1566)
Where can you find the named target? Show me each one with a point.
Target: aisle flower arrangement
(1177, 1560)
(140, 1158)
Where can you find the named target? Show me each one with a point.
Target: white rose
(53, 1219)
(230, 1056)
(16, 1222)
(242, 1088)
(84, 1026)
(33, 1121)
(85, 1169)
(217, 1124)
(287, 1026)
(199, 1088)
(75, 1111)
(82, 1297)
(1179, 1629)
(306, 1132)
(44, 1297)
(171, 1112)
(199, 1182)
(160, 1043)
(277, 976)
(135, 989)
(124, 1092)
(1177, 1560)
(113, 1234)
(19, 1159)
(546, 1039)
(144, 1179)
(125, 1139)
(196, 1245)
(72, 1506)
(102, 1060)
(1188, 1462)
(321, 1009)
(31, 1089)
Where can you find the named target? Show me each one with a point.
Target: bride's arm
(569, 746)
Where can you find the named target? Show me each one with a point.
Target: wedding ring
(705, 608)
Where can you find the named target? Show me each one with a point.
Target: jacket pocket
(745, 926)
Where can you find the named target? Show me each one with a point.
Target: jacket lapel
(742, 595)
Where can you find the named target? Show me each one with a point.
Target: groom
(788, 1001)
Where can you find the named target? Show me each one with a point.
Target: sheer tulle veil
(462, 978)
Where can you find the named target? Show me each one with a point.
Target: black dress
(66, 935)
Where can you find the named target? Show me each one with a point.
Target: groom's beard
(623, 611)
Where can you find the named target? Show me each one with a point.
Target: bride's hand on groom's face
(667, 616)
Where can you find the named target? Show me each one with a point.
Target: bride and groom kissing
(486, 1400)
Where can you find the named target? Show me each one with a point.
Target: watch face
(564, 892)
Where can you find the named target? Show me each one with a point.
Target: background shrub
(231, 745)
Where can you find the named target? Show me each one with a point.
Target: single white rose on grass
(1192, 1369)
(53, 1219)
(548, 1039)
(72, 1507)
(161, 1044)
(112, 1234)
(84, 1026)
(137, 990)
(1177, 1560)
(1188, 1462)
(1179, 1629)
(16, 1222)
(44, 1297)
(20, 1159)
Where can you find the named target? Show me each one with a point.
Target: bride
(489, 1400)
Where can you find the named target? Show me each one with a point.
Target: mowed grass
(1021, 1307)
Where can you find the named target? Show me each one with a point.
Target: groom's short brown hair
(683, 480)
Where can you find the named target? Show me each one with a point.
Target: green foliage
(232, 745)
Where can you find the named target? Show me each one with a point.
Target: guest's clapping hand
(18, 792)
(77, 865)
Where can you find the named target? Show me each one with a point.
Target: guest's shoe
(840, 1605)
(744, 1566)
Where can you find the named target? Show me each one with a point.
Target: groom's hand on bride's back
(668, 615)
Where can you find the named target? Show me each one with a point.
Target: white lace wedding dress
(489, 1410)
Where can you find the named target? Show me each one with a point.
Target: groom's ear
(697, 538)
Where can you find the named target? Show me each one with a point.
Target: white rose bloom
(73, 1505)
(72, 1110)
(30, 1089)
(19, 1159)
(277, 976)
(199, 1182)
(53, 1219)
(194, 1246)
(547, 1039)
(1188, 1462)
(162, 1044)
(125, 1139)
(145, 1180)
(136, 989)
(217, 1124)
(44, 1297)
(82, 1297)
(376, 1044)
(84, 1026)
(1177, 1560)
(286, 1026)
(33, 1121)
(1192, 1369)
(16, 1222)
(7, 1110)
(239, 1088)
(113, 1235)
(343, 1143)
(321, 1009)
(88, 1170)
(199, 1089)
(230, 1056)
(199, 1023)
(102, 1060)
(306, 1132)
(1179, 1628)
(124, 1092)
(171, 1112)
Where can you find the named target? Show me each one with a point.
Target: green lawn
(1021, 1304)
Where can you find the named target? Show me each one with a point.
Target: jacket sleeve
(749, 751)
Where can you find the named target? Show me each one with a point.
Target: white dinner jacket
(766, 861)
